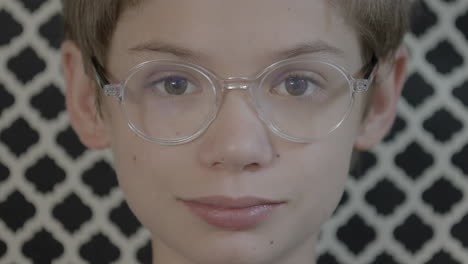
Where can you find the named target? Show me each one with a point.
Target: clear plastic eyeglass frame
(356, 85)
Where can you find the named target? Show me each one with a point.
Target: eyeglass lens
(304, 100)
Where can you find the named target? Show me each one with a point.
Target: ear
(81, 99)
(383, 103)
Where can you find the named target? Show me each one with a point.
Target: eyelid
(302, 74)
(166, 74)
(165, 94)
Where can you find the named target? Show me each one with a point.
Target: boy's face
(238, 156)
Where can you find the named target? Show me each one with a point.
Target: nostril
(249, 167)
(216, 164)
(252, 167)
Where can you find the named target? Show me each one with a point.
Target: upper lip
(228, 202)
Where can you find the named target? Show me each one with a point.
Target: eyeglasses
(171, 102)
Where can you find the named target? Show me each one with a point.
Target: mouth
(232, 213)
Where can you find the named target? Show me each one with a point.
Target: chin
(232, 255)
(217, 246)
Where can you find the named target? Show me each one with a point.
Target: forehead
(243, 31)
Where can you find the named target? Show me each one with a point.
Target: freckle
(278, 155)
(272, 242)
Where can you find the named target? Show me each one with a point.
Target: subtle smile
(232, 213)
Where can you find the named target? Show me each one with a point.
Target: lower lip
(232, 218)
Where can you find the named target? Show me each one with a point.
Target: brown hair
(380, 23)
(90, 24)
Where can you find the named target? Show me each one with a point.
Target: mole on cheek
(272, 242)
(134, 158)
(278, 155)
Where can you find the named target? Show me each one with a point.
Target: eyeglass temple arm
(362, 85)
(99, 72)
(371, 66)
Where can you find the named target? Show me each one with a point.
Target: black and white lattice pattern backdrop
(59, 203)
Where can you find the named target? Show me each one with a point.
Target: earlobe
(81, 99)
(384, 101)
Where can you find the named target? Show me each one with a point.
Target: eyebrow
(304, 48)
(160, 47)
(315, 47)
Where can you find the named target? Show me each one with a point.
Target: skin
(238, 155)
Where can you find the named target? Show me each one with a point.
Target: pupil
(175, 85)
(296, 86)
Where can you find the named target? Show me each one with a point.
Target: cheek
(322, 172)
(137, 164)
(150, 175)
(325, 174)
(327, 180)
(144, 183)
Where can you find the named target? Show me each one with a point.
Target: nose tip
(239, 158)
(237, 140)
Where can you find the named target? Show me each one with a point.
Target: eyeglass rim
(356, 85)
(103, 80)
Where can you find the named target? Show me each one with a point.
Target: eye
(172, 86)
(297, 85)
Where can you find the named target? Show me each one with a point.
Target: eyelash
(165, 76)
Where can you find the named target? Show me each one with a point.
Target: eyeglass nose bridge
(233, 83)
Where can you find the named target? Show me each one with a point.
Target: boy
(233, 123)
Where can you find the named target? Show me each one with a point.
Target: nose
(237, 140)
